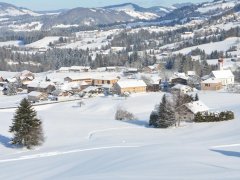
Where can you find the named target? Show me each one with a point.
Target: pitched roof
(197, 106)
(36, 84)
(131, 83)
(212, 81)
(35, 93)
(221, 74)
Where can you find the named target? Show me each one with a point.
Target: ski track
(51, 154)
(92, 133)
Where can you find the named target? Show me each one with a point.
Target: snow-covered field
(87, 143)
(43, 43)
(215, 46)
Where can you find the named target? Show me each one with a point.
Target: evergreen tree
(26, 127)
(196, 97)
(165, 114)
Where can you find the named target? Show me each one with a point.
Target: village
(80, 82)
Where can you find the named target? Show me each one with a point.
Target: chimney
(220, 64)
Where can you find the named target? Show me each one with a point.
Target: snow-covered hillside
(43, 43)
(10, 10)
(218, 5)
(87, 143)
(215, 46)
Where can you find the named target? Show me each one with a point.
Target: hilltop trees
(26, 127)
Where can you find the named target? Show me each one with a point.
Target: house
(225, 76)
(131, 86)
(153, 83)
(64, 69)
(45, 87)
(79, 69)
(105, 80)
(149, 69)
(179, 78)
(188, 111)
(78, 79)
(182, 88)
(211, 84)
(36, 96)
(130, 71)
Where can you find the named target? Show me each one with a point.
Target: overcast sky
(66, 4)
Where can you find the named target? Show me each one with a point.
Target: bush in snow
(122, 114)
(214, 117)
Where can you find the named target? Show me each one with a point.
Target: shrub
(122, 114)
(214, 117)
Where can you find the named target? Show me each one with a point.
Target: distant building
(44, 87)
(130, 86)
(105, 80)
(188, 111)
(78, 79)
(225, 76)
(211, 84)
(35, 96)
(64, 69)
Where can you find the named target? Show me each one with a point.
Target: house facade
(211, 84)
(104, 81)
(130, 86)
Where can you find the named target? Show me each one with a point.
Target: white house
(225, 76)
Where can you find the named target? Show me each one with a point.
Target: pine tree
(166, 117)
(196, 97)
(26, 127)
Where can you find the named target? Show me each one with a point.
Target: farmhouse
(45, 87)
(131, 86)
(35, 96)
(188, 111)
(211, 84)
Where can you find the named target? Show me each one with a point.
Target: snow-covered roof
(106, 78)
(151, 67)
(191, 73)
(64, 69)
(36, 84)
(212, 81)
(70, 86)
(181, 87)
(91, 88)
(79, 67)
(221, 74)
(197, 106)
(131, 83)
(180, 75)
(35, 93)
